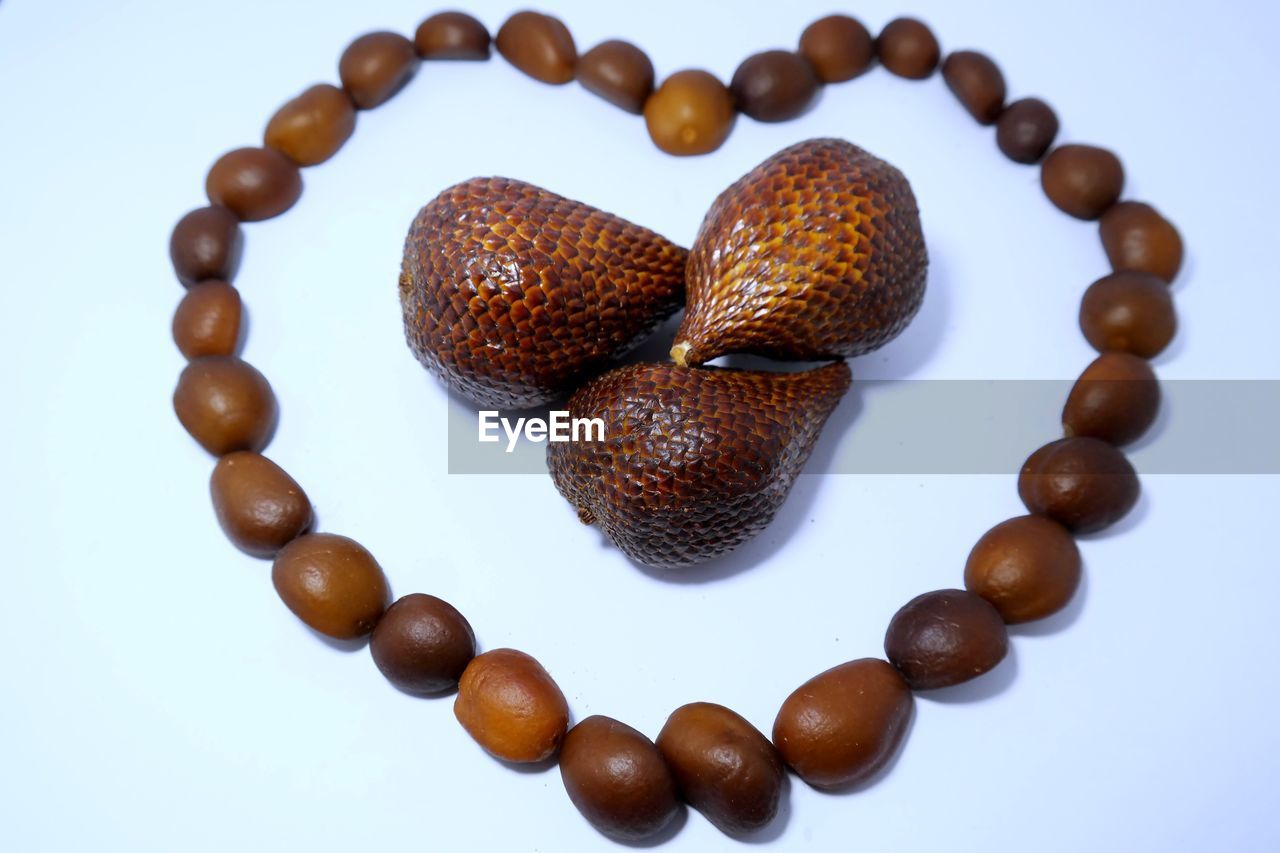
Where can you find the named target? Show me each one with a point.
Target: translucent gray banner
(923, 427)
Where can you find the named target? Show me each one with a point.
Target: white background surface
(156, 695)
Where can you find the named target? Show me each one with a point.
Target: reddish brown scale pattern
(695, 461)
(513, 294)
(816, 253)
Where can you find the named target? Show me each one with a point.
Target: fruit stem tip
(679, 354)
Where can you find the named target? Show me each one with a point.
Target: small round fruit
(945, 638)
(691, 113)
(842, 726)
(423, 644)
(1026, 129)
(723, 766)
(511, 706)
(908, 48)
(1129, 311)
(226, 404)
(332, 584)
(617, 778)
(838, 47)
(619, 72)
(260, 507)
(1082, 180)
(207, 321)
(1027, 568)
(775, 85)
(1083, 483)
(1116, 399)
(254, 183)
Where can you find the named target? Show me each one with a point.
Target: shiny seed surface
(1026, 129)
(619, 72)
(945, 638)
(1083, 483)
(838, 47)
(423, 644)
(375, 66)
(260, 507)
(332, 584)
(310, 128)
(1136, 237)
(1116, 399)
(206, 244)
(908, 48)
(226, 404)
(691, 113)
(207, 320)
(254, 183)
(1082, 180)
(977, 83)
(1027, 568)
(452, 35)
(1129, 311)
(511, 706)
(540, 46)
(775, 85)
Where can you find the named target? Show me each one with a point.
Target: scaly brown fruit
(815, 253)
(513, 294)
(694, 461)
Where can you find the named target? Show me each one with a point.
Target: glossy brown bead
(841, 727)
(452, 35)
(375, 66)
(1136, 237)
(511, 706)
(977, 83)
(254, 183)
(617, 779)
(1082, 180)
(1129, 311)
(775, 85)
(619, 72)
(540, 46)
(1083, 483)
(944, 638)
(332, 584)
(723, 766)
(312, 127)
(423, 644)
(207, 321)
(908, 48)
(206, 243)
(260, 507)
(838, 47)
(226, 404)
(690, 113)
(1115, 399)
(1026, 129)
(1027, 568)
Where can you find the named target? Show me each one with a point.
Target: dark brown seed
(254, 183)
(619, 72)
(452, 35)
(690, 113)
(312, 127)
(1027, 568)
(1082, 180)
(1116, 399)
(1026, 129)
(1081, 482)
(1129, 311)
(944, 638)
(511, 706)
(1136, 237)
(616, 777)
(775, 85)
(977, 83)
(723, 766)
(260, 507)
(423, 644)
(540, 46)
(908, 48)
(206, 243)
(838, 47)
(332, 584)
(207, 321)
(225, 404)
(375, 66)
(840, 727)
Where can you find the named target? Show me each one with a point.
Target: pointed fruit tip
(679, 354)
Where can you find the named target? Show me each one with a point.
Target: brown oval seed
(1129, 311)
(206, 244)
(1116, 399)
(254, 183)
(540, 46)
(977, 83)
(332, 584)
(260, 507)
(945, 638)
(616, 777)
(423, 644)
(723, 766)
(1083, 483)
(312, 127)
(690, 113)
(840, 727)
(375, 66)
(1136, 237)
(908, 48)
(1027, 568)
(619, 72)
(225, 403)
(207, 320)
(452, 35)
(1082, 180)
(511, 706)
(775, 85)
(1026, 129)
(838, 47)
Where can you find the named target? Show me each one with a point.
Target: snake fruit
(694, 461)
(513, 295)
(816, 253)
